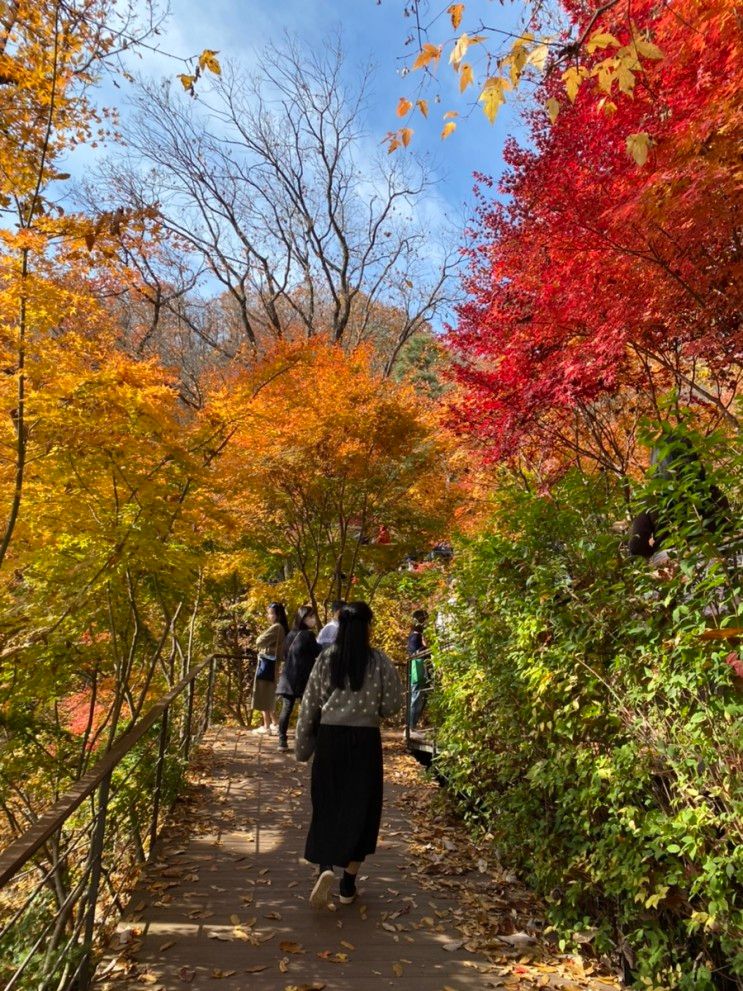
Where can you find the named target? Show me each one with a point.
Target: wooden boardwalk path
(224, 903)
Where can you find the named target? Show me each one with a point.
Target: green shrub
(587, 725)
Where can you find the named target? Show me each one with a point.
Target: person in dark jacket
(301, 650)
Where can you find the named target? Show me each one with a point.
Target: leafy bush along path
(224, 904)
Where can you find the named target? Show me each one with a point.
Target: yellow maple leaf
(208, 60)
(605, 71)
(647, 49)
(638, 146)
(493, 96)
(601, 39)
(466, 77)
(429, 53)
(455, 11)
(608, 106)
(538, 56)
(186, 80)
(403, 107)
(460, 50)
(553, 109)
(516, 62)
(572, 78)
(625, 78)
(448, 128)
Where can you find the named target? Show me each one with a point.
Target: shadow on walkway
(224, 904)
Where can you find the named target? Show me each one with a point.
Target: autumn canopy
(245, 358)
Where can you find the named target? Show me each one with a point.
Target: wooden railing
(65, 879)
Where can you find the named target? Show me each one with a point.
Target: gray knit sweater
(380, 695)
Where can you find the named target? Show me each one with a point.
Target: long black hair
(300, 618)
(350, 654)
(277, 608)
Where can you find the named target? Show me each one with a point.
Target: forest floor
(226, 894)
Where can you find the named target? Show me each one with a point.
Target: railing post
(408, 670)
(209, 694)
(189, 718)
(159, 778)
(96, 859)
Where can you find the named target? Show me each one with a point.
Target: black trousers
(287, 707)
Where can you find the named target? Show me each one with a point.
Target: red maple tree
(596, 283)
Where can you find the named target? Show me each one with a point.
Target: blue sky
(371, 32)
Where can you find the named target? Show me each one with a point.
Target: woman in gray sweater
(351, 688)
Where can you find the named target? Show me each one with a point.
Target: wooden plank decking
(229, 887)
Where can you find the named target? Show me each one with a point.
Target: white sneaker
(320, 895)
(273, 730)
(261, 729)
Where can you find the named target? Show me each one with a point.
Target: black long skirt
(346, 795)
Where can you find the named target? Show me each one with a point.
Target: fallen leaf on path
(397, 969)
(186, 975)
(451, 947)
(333, 957)
(286, 946)
(284, 964)
(518, 939)
(256, 968)
(166, 946)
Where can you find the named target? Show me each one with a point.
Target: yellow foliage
(208, 60)
(638, 146)
(493, 96)
(429, 53)
(466, 77)
(455, 11)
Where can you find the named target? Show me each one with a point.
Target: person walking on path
(351, 688)
(300, 651)
(270, 645)
(419, 656)
(329, 632)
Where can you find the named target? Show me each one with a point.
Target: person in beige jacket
(270, 647)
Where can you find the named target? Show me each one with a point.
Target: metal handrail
(97, 785)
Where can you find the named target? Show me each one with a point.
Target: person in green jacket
(419, 655)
